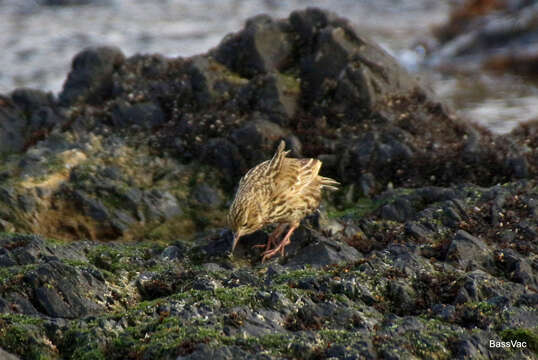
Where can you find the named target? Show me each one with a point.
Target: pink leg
(270, 253)
(274, 235)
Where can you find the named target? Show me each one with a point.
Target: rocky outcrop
(496, 35)
(427, 251)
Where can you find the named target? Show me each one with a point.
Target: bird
(278, 191)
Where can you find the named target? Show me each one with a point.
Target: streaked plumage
(281, 190)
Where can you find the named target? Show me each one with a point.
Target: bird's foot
(272, 238)
(270, 253)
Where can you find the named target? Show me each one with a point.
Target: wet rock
(91, 76)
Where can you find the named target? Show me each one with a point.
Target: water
(39, 42)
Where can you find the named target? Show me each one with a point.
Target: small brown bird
(278, 191)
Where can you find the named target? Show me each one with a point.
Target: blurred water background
(38, 39)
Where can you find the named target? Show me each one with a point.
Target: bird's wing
(296, 175)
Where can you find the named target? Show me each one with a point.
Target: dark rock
(402, 296)
(206, 195)
(224, 156)
(527, 299)
(161, 205)
(51, 302)
(146, 115)
(204, 351)
(211, 81)
(263, 46)
(6, 261)
(173, 253)
(91, 76)
(444, 312)
(495, 37)
(323, 252)
(257, 139)
(76, 286)
(4, 306)
(467, 250)
(276, 95)
(21, 305)
(417, 230)
(30, 100)
(400, 210)
(12, 127)
(152, 285)
(367, 184)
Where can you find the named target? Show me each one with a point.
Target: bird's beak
(236, 238)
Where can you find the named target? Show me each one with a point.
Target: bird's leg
(287, 239)
(274, 235)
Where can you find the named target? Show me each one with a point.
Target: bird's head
(244, 218)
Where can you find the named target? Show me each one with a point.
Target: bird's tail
(276, 162)
(329, 183)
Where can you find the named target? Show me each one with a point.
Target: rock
(52, 304)
(276, 95)
(264, 45)
(204, 351)
(495, 37)
(12, 125)
(322, 253)
(146, 115)
(400, 210)
(332, 47)
(257, 139)
(211, 81)
(173, 253)
(402, 296)
(206, 195)
(78, 288)
(152, 285)
(467, 250)
(91, 77)
(225, 156)
(30, 100)
(7, 356)
(161, 205)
